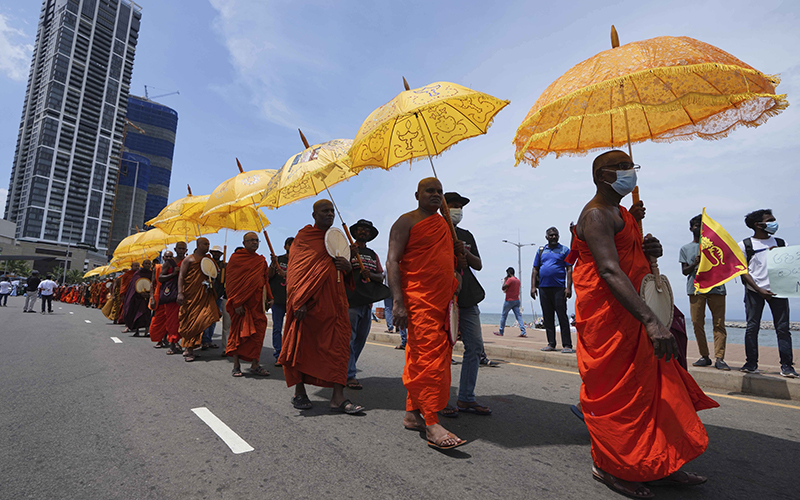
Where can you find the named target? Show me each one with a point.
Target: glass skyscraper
(146, 168)
(64, 176)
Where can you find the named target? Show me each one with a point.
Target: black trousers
(47, 299)
(555, 302)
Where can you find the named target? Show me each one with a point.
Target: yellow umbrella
(182, 217)
(125, 245)
(661, 89)
(157, 238)
(309, 172)
(97, 271)
(420, 123)
(244, 190)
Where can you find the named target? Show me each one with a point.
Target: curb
(765, 386)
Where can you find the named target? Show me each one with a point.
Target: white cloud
(15, 54)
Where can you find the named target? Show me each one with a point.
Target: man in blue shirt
(552, 276)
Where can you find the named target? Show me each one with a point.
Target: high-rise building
(64, 175)
(146, 168)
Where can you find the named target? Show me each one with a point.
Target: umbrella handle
(269, 243)
(350, 238)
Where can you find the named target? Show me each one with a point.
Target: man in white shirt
(757, 292)
(46, 289)
(5, 291)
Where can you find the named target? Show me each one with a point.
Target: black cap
(373, 232)
(455, 197)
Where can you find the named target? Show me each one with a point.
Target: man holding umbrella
(369, 288)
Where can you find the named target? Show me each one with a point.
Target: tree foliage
(15, 267)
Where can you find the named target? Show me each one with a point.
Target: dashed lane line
(86, 320)
(116, 340)
(234, 442)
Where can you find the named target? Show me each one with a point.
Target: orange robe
(316, 350)
(124, 282)
(428, 279)
(199, 309)
(641, 411)
(157, 331)
(246, 275)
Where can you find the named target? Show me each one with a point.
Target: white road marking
(71, 312)
(116, 340)
(61, 308)
(234, 442)
(86, 320)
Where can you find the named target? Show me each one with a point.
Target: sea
(766, 338)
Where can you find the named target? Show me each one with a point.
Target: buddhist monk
(124, 282)
(246, 282)
(157, 330)
(316, 342)
(137, 312)
(197, 300)
(422, 278)
(165, 320)
(639, 404)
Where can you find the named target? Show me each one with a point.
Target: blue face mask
(625, 183)
(771, 227)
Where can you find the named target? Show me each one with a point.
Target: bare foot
(440, 437)
(413, 421)
(627, 488)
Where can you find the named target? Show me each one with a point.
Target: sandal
(302, 402)
(439, 446)
(614, 484)
(189, 359)
(260, 371)
(237, 372)
(347, 407)
(475, 407)
(355, 385)
(448, 412)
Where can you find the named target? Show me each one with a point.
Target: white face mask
(456, 215)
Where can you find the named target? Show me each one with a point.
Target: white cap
(216, 248)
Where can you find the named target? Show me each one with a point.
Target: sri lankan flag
(721, 259)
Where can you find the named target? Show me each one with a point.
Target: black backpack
(748, 247)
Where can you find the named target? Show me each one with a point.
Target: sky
(251, 72)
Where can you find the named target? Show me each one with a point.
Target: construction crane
(147, 94)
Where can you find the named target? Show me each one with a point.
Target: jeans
(554, 302)
(4, 299)
(360, 318)
(47, 300)
(208, 334)
(697, 308)
(30, 301)
(753, 308)
(469, 324)
(511, 305)
(278, 312)
(387, 311)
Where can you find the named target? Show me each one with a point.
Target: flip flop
(448, 412)
(476, 409)
(438, 446)
(614, 485)
(237, 372)
(355, 385)
(347, 407)
(260, 371)
(189, 359)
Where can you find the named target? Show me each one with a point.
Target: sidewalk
(510, 347)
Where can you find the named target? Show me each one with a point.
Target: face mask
(771, 227)
(626, 181)
(455, 215)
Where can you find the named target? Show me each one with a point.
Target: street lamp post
(519, 261)
(66, 258)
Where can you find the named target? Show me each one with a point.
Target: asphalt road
(83, 417)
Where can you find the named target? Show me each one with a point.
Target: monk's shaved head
(322, 203)
(608, 158)
(250, 241)
(249, 235)
(424, 183)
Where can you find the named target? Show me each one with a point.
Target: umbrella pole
(346, 230)
(266, 236)
(445, 208)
